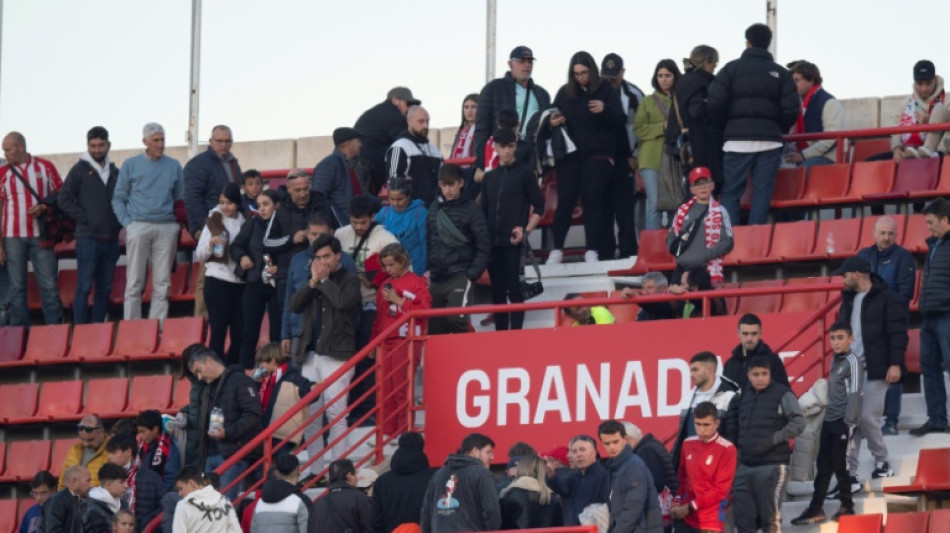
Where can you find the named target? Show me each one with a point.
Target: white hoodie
(213, 269)
(101, 494)
(205, 511)
(102, 169)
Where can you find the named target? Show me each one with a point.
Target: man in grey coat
(634, 507)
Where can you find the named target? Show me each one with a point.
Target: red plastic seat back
(751, 242)
(916, 175)
(60, 400)
(150, 392)
(912, 355)
(916, 234)
(136, 337)
(940, 521)
(761, 304)
(861, 523)
(793, 239)
(8, 516)
(106, 396)
(804, 301)
(827, 181)
(179, 333)
(91, 341)
(47, 343)
(933, 466)
(12, 342)
(18, 400)
(907, 522)
(60, 449)
(653, 249)
(862, 149)
(789, 184)
(31, 457)
(845, 233)
(182, 393)
(872, 177)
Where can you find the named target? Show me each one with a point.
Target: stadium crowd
(332, 268)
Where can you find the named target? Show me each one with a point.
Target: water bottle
(830, 243)
(217, 420)
(265, 275)
(259, 372)
(219, 247)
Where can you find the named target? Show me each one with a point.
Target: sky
(280, 69)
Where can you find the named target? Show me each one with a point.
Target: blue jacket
(409, 227)
(895, 265)
(332, 180)
(297, 276)
(579, 490)
(205, 177)
(147, 190)
(31, 519)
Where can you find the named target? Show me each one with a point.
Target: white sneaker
(911, 152)
(555, 257)
(923, 152)
(590, 256)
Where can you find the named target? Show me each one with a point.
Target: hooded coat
(205, 511)
(98, 510)
(461, 496)
(281, 509)
(398, 494)
(521, 506)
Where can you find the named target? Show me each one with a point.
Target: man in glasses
(90, 451)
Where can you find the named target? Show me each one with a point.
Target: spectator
(235, 394)
(587, 484)
(90, 451)
(591, 112)
(339, 177)
(380, 126)
(329, 348)
(704, 138)
(283, 508)
(42, 487)
(556, 458)
(62, 513)
(820, 112)
(253, 187)
(193, 417)
(528, 502)
(157, 450)
(517, 91)
(415, 157)
(461, 496)
(633, 502)
(401, 291)
(398, 494)
(524, 150)
(86, 197)
(406, 220)
(149, 185)
(926, 100)
(145, 489)
(751, 345)
(124, 521)
(257, 269)
(622, 188)
(651, 283)
(458, 250)
(706, 470)
(282, 387)
(696, 280)
(25, 182)
(287, 232)
(202, 508)
(583, 315)
(701, 232)
(895, 265)
(105, 500)
(654, 455)
(843, 413)
(755, 100)
(935, 309)
(650, 128)
(878, 320)
(464, 144)
(709, 387)
(223, 288)
(762, 421)
(344, 509)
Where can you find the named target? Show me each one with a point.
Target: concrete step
(793, 509)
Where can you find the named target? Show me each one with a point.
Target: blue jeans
(19, 250)
(816, 162)
(892, 404)
(228, 476)
(651, 186)
(934, 359)
(4, 296)
(95, 263)
(736, 167)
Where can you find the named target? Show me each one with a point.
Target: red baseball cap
(558, 452)
(699, 173)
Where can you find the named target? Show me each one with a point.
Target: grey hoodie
(844, 388)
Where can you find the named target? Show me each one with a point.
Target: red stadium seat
(913, 175)
(59, 400)
(92, 342)
(150, 392)
(60, 449)
(942, 188)
(762, 304)
(3, 456)
(867, 229)
(751, 245)
(117, 293)
(827, 184)
(66, 281)
(12, 343)
(549, 191)
(940, 521)
(178, 334)
(8, 516)
(189, 293)
(912, 355)
(862, 149)
(18, 401)
(654, 254)
(916, 235)
(186, 241)
(732, 302)
(624, 312)
(34, 302)
(933, 474)
(182, 394)
(745, 201)
(24, 506)
(906, 522)
(870, 177)
(31, 457)
(789, 186)
(136, 339)
(47, 344)
(106, 397)
(276, 183)
(804, 301)
(844, 233)
(861, 523)
(179, 281)
(792, 239)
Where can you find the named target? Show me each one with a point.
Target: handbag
(683, 149)
(55, 226)
(529, 289)
(682, 242)
(671, 184)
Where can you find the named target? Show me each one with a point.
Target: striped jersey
(16, 199)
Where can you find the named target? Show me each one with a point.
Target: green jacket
(648, 126)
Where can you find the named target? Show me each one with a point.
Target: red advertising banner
(545, 386)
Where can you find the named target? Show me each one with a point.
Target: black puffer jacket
(237, 397)
(753, 98)
(595, 134)
(935, 286)
(195, 445)
(659, 461)
(149, 490)
(761, 424)
(96, 516)
(445, 261)
(499, 94)
(705, 138)
(288, 220)
(380, 125)
(249, 242)
(883, 327)
(521, 506)
(735, 369)
(62, 513)
(398, 494)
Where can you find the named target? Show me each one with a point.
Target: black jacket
(236, 395)
(419, 160)
(205, 177)
(659, 461)
(149, 490)
(289, 219)
(275, 490)
(398, 494)
(343, 509)
(753, 98)
(88, 201)
(595, 134)
(96, 516)
(761, 424)
(499, 94)
(507, 195)
(634, 507)
(461, 496)
(705, 138)
(380, 125)
(883, 327)
(339, 308)
(521, 506)
(735, 369)
(62, 513)
(935, 285)
(250, 242)
(195, 451)
(445, 261)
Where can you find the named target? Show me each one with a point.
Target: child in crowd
(253, 186)
(157, 451)
(41, 488)
(406, 219)
(282, 386)
(524, 152)
(123, 521)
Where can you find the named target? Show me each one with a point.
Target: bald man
(414, 157)
(90, 451)
(62, 513)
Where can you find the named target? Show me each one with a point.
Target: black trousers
(363, 333)
(258, 298)
(584, 178)
(223, 300)
(833, 459)
(504, 269)
(619, 203)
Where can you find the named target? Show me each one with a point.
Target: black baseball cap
(611, 66)
(924, 70)
(521, 52)
(853, 264)
(403, 93)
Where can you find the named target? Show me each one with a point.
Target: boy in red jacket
(706, 470)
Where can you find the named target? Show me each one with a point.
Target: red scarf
(130, 492)
(491, 158)
(714, 224)
(268, 384)
(800, 123)
(463, 148)
(163, 447)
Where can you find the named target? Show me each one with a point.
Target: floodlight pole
(771, 20)
(195, 75)
(490, 27)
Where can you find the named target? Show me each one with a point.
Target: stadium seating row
(936, 521)
(68, 249)
(11, 513)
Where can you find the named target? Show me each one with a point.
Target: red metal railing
(840, 136)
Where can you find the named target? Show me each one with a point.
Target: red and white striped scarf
(713, 233)
(132, 471)
(464, 146)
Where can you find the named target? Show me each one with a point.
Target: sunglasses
(87, 429)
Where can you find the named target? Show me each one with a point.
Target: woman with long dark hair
(590, 110)
(650, 128)
(464, 143)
